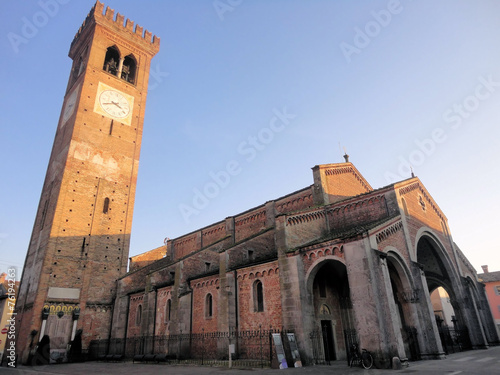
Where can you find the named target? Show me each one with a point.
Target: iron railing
(454, 339)
(253, 348)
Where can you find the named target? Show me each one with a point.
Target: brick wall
(142, 260)
(202, 320)
(296, 201)
(268, 275)
(356, 212)
(256, 249)
(421, 210)
(335, 182)
(134, 323)
(162, 320)
(213, 233)
(249, 223)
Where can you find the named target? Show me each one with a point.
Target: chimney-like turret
(485, 268)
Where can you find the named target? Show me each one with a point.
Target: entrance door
(328, 344)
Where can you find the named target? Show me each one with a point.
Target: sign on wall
(280, 350)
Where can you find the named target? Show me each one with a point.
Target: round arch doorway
(333, 317)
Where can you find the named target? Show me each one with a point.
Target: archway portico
(440, 271)
(406, 297)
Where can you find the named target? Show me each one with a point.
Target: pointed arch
(129, 69)
(111, 60)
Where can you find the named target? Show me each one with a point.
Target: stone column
(293, 292)
(371, 296)
(427, 330)
(472, 320)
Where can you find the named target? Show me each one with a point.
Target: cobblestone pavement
(486, 362)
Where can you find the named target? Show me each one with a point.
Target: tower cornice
(143, 39)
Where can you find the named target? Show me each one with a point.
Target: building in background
(491, 282)
(443, 310)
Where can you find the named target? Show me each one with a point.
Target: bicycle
(364, 358)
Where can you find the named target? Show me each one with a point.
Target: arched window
(105, 207)
(208, 306)
(111, 61)
(138, 315)
(258, 296)
(405, 207)
(128, 69)
(168, 309)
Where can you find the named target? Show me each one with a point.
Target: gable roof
(489, 276)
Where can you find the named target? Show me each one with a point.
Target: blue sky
(395, 83)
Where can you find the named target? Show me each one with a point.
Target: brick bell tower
(80, 240)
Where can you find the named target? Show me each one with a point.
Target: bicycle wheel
(366, 360)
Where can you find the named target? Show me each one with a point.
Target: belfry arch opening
(124, 68)
(112, 60)
(128, 69)
(333, 317)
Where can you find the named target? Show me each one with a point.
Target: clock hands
(112, 102)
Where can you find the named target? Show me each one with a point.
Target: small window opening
(208, 306)
(168, 310)
(250, 255)
(258, 296)
(207, 266)
(105, 207)
(111, 60)
(138, 316)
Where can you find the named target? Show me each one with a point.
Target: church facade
(336, 257)
(334, 263)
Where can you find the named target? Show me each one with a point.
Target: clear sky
(394, 82)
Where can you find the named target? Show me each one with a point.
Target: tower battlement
(120, 25)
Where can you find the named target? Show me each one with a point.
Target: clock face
(70, 106)
(114, 103)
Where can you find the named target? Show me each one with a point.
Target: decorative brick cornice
(409, 188)
(294, 201)
(215, 230)
(206, 283)
(332, 210)
(98, 307)
(344, 170)
(264, 271)
(140, 36)
(307, 217)
(357, 204)
(389, 231)
(137, 298)
(315, 252)
(250, 218)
